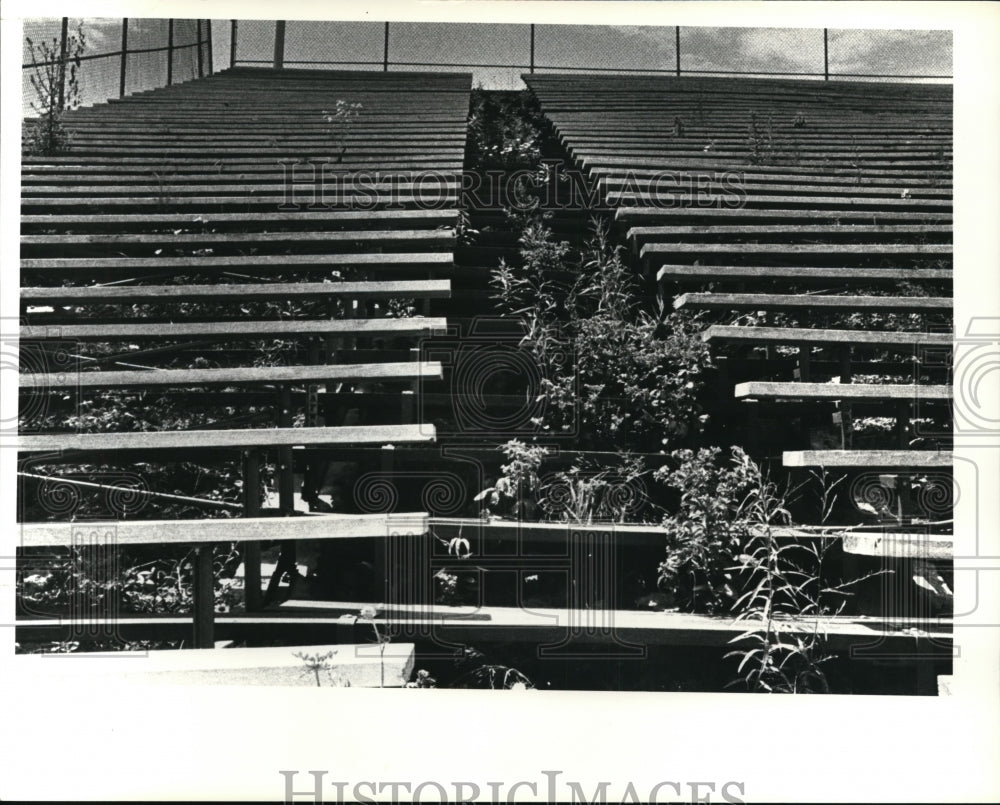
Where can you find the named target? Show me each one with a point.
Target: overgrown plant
(513, 492)
(608, 368)
(504, 131)
(724, 554)
(316, 663)
(781, 656)
(584, 494)
(788, 599)
(339, 121)
(86, 579)
(368, 613)
(710, 527)
(760, 141)
(55, 90)
(422, 679)
(475, 670)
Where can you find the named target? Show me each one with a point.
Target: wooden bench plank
(812, 274)
(383, 372)
(275, 262)
(854, 392)
(803, 335)
(302, 188)
(247, 438)
(732, 200)
(808, 302)
(244, 529)
(653, 216)
(444, 197)
(418, 289)
(226, 331)
(390, 237)
(461, 624)
(934, 547)
(328, 219)
(654, 251)
(654, 234)
(166, 165)
(867, 459)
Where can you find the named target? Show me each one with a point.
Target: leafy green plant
(760, 140)
(422, 679)
(504, 131)
(786, 596)
(55, 90)
(475, 670)
(446, 588)
(369, 613)
(511, 494)
(584, 494)
(87, 580)
(629, 379)
(710, 528)
(316, 663)
(339, 121)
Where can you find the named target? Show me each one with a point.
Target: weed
(339, 121)
(786, 596)
(760, 141)
(476, 671)
(368, 613)
(315, 663)
(512, 492)
(55, 91)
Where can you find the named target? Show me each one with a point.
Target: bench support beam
(204, 598)
(251, 550)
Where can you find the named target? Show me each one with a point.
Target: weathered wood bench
(224, 331)
(801, 275)
(391, 261)
(64, 444)
(324, 220)
(868, 459)
(656, 253)
(249, 532)
(235, 292)
(895, 340)
(810, 302)
(242, 376)
(848, 392)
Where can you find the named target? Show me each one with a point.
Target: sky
(605, 47)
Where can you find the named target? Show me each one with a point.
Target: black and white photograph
(603, 370)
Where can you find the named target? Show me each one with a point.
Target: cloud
(891, 52)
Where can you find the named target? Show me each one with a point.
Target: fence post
(201, 63)
(170, 52)
(279, 44)
(121, 81)
(826, 54)
(211, 60)
(531, 66)
(232, 43)
(62, 62)
(677, 49)
(385, 50)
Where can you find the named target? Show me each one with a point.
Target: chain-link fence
(120, 56)
(498, 54)
(123, 56)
